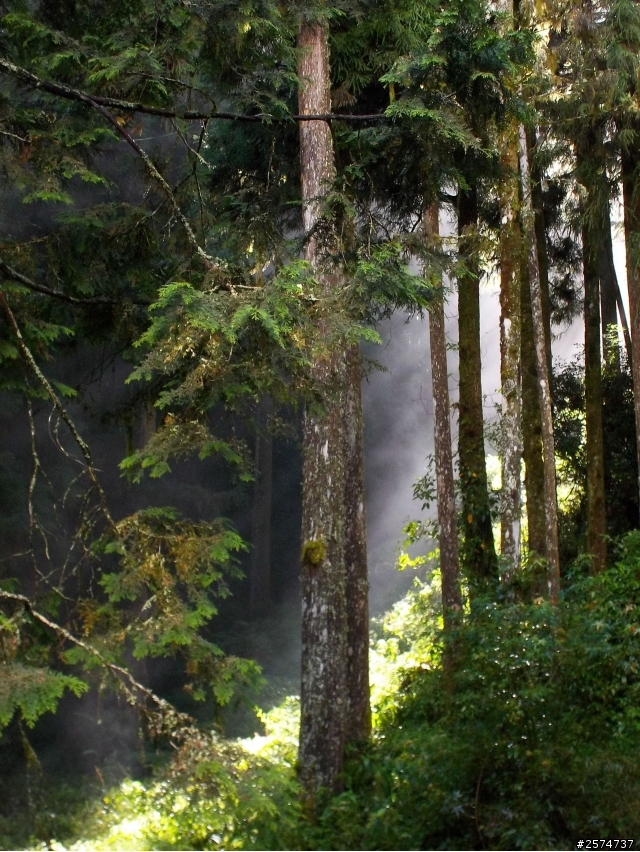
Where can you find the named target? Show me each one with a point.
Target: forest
(253, 254)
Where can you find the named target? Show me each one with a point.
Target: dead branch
(84, 448)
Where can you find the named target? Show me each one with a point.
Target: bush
(529, 742)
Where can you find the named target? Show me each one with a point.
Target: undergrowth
(528, 741)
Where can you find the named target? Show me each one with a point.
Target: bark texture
(631, 195)
(358, 713)
(552, 551)
(260, 571)
(531, 427)
(323, 580)
(510, 375)
(448, 533)
(593, 401)
(590, 162)
(479, 554)
(537, 200)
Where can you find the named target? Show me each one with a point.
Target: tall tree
(590, 170)
(510, 352)
(445, 493)
(531, 425)
(552, 551)
(479, 554)
(593, 401)
(631, 195)
(335, 688)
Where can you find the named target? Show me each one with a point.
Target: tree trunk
(531, 427)
(479, 556)
(631, 196)
(510, 503)
(358, 719)
(448, 533)
(537, 200)
(593, 401)
(608, 294)
(552, 551)
(260, 571)
(323, 579)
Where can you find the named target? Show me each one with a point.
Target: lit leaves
(171, 572)
(32, 691)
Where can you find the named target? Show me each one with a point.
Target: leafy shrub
(528, 742)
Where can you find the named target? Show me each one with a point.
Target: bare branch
(84, 449)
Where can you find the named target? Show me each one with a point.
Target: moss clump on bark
(314, 552)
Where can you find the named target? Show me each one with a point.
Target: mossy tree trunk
(479, 556)
(510, 372)
(552, 550)
(323, 578)
(631, 196)
(590, 169)
(531, 427)
(335, 621)
(537, 200)
(531, 416)
(447, 526)
(593, 400)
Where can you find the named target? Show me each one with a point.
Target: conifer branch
(13, 274)
(70, 93)
(208, 261)
(127, 681)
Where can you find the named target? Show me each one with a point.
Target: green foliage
(529, 737)
(621, 499)
(171, 571)
(32, 691)
(215, 794)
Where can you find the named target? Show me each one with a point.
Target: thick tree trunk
(631, 195)
(479, 556)
(260, 571)
(448, 533)
(510, 503)
(323, 576)
(552, 551)
(531, 427)
(593, 401)
(358, 720)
